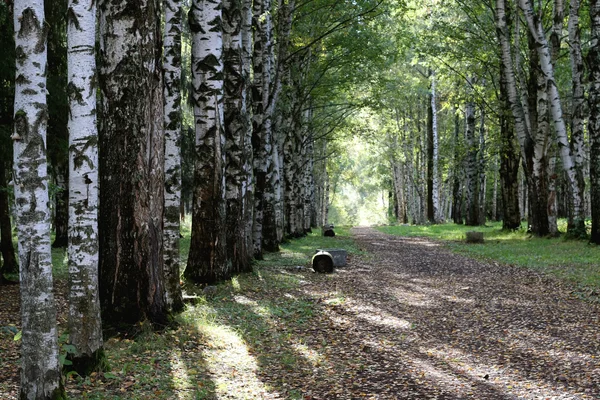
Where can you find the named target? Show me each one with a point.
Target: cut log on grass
(322, 262)
(474, 237)
(327, 230)
(338, 255)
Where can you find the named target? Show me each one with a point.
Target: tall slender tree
(593, 59)
(40, 371)
(172, 93)
(236, 132)
(85, 327)
(207, 260)
(576, 200)
(132, 162)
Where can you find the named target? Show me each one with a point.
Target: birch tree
(172, 94)
(472, 197)
(576, 213)
(236, 132)
(85, 327)
(132, 162)
(207, 260)
(593, 59)
(40, 370)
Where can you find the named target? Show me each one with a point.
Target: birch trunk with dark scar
(132, 164)
(172, 123)
(207, 260)
(40, 370)
(85, 327)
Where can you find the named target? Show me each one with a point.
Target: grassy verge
(571, 260)
(242, 343)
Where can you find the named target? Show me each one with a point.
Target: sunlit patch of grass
(572, 260)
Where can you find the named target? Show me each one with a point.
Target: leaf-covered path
(406, 319)
(438, 325)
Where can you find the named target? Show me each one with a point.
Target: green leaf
(18, 336)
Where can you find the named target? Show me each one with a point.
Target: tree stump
(322, 262)
(474, 237)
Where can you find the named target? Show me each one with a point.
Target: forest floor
(406, 319)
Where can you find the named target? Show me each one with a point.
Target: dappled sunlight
(314, 357)
(377, 316)
(230, 365)
(502, 377)
(181, 380)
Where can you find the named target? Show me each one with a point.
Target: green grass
(247, 325)
(576, 261)
(298, 252)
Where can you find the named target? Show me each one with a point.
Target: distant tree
(131, 162)
(40, 370)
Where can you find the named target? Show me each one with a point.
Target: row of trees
(488, 111)
(257, 106)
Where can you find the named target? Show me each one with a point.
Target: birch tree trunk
(207, 260)
(85, 327)
(40, 371)
(435, 179)
(593, 59)
(472, 197)
(132, 162)
(481, 169)
(248, 185)
(576, 225)
(509, 160)
(578, 91)
(172, 101)
(457, 189)
(236, 127)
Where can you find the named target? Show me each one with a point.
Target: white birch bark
(471, 175)
(207, 261)
(85, 328)
(578, 90)
(575, 191)
(436, 178)
(172, 115)
(521, 122)
(481, 167)
(40, 371)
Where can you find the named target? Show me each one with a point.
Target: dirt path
(406, 320)
(437, 325)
